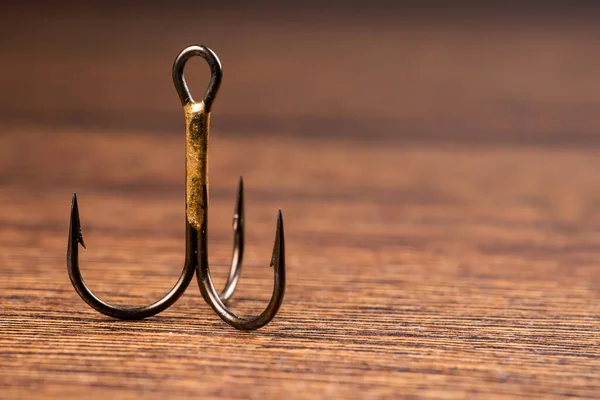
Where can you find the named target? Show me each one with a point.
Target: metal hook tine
(197, 121)
(192, 186)
(211, 297)
(189, 269)
(76, 237)
(238, 246)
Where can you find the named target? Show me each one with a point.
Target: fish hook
(191, 251)
(197, 118)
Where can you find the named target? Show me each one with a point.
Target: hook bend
(134, 313)
(212, 298)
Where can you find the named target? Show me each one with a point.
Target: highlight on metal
(197, 122)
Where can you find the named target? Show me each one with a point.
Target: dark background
(526, 72)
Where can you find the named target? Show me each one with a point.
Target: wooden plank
(433, 271)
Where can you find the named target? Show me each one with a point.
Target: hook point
(238, 212)
(279, 240)
(240, 197)
(75, 220)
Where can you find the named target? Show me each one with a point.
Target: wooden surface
(442, 208)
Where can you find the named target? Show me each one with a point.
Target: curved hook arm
(197, 132)
(134, 313)
(211, 297)
(216, 74)
(237, 256)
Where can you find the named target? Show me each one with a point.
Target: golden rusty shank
(197, 121)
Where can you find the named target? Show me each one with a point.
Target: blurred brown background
(488, 71)
(436, 164)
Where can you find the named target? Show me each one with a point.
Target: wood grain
(461, 264)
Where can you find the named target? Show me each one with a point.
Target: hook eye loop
(216, 74)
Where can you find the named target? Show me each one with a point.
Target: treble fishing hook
(191, 251)
(197, 121)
